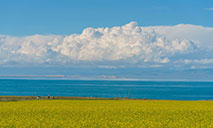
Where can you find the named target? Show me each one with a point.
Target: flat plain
(106, 114)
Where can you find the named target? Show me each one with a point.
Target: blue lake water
(171, 90)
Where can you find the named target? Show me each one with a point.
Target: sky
(28, 17)
(140, 38)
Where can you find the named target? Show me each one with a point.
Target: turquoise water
(171, 90)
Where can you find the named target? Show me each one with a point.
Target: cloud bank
(124, 45)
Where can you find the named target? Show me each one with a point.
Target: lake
(170, 90)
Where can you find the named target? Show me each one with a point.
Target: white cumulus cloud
(130, 44)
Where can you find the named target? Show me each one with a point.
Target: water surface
(171, 90)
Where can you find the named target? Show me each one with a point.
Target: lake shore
(21, 98)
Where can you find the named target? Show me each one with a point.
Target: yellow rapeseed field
(106, 114)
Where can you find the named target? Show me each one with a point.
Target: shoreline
(61, 77)
(19, 98)
(23, 98)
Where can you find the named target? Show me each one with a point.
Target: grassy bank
(106, 113)
(21, 98)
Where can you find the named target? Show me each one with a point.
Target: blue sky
(28, 17)
(121, 38)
